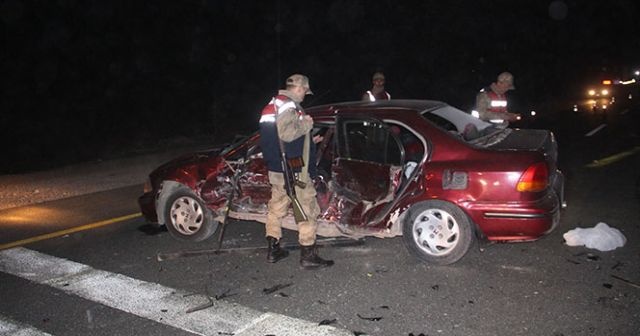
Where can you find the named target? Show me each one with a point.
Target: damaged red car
(423, 170)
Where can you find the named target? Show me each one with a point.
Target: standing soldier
(491, 102)
(377, 92)
(284, 125)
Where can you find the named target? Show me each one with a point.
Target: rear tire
(437, 232)
(187, 217)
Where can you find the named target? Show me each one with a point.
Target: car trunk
(529, 139)
(539, 140)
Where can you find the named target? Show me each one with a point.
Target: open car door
(367, 169)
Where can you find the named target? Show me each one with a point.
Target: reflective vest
(497, 102)
(384, 95)
(270, 142)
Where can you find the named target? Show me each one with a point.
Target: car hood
(187, 160)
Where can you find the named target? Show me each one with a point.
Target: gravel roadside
(31, 188)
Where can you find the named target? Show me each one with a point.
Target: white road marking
(595, 130)
(153, 301)
(13, 328)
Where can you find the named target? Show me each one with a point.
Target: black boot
(309, 258)
(274, 252)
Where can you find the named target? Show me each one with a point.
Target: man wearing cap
(283, 122)
(377, 92)
(491, 102)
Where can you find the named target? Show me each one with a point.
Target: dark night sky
(99, 76)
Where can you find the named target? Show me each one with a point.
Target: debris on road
(205, 305)
(374, 318)
(275, 288)
(328, 322)
(628, 282)
(334, 242)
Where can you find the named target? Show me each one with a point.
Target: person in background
(377, 92)
(491, 102)
(284, 124)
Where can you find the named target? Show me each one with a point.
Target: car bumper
(147, 204)
(517, 222)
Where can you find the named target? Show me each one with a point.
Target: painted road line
(613, 158)
(153, 301)
(11, 327)
(68, 231)
(595, 130)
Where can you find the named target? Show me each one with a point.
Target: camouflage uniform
(291, 127)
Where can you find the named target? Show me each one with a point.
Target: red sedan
(420, 169)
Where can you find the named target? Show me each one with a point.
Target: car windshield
(460, 123)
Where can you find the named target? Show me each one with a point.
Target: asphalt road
(539, 288)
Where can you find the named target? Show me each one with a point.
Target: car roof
(372, 107)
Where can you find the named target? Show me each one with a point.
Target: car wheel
(437, 232)
(186, 216)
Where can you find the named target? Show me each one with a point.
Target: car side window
(370, 141)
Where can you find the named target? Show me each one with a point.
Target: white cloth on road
(601, 237)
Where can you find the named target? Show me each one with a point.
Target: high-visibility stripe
(286, 106)
(268, 118)
(371, 96)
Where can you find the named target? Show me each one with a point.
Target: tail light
(535, 178)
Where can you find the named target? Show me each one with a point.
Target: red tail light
(535, 178)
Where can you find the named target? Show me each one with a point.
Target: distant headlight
(604, 92)
(592, 92)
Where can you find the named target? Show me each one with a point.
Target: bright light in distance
(631, 81)
(533, 113)
(637, 73)
(606, 82)
(575, 108)
(604, 92)
(592, 92)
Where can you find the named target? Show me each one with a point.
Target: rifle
(290, 182)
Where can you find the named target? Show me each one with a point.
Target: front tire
(186, 216)
(437, 232)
